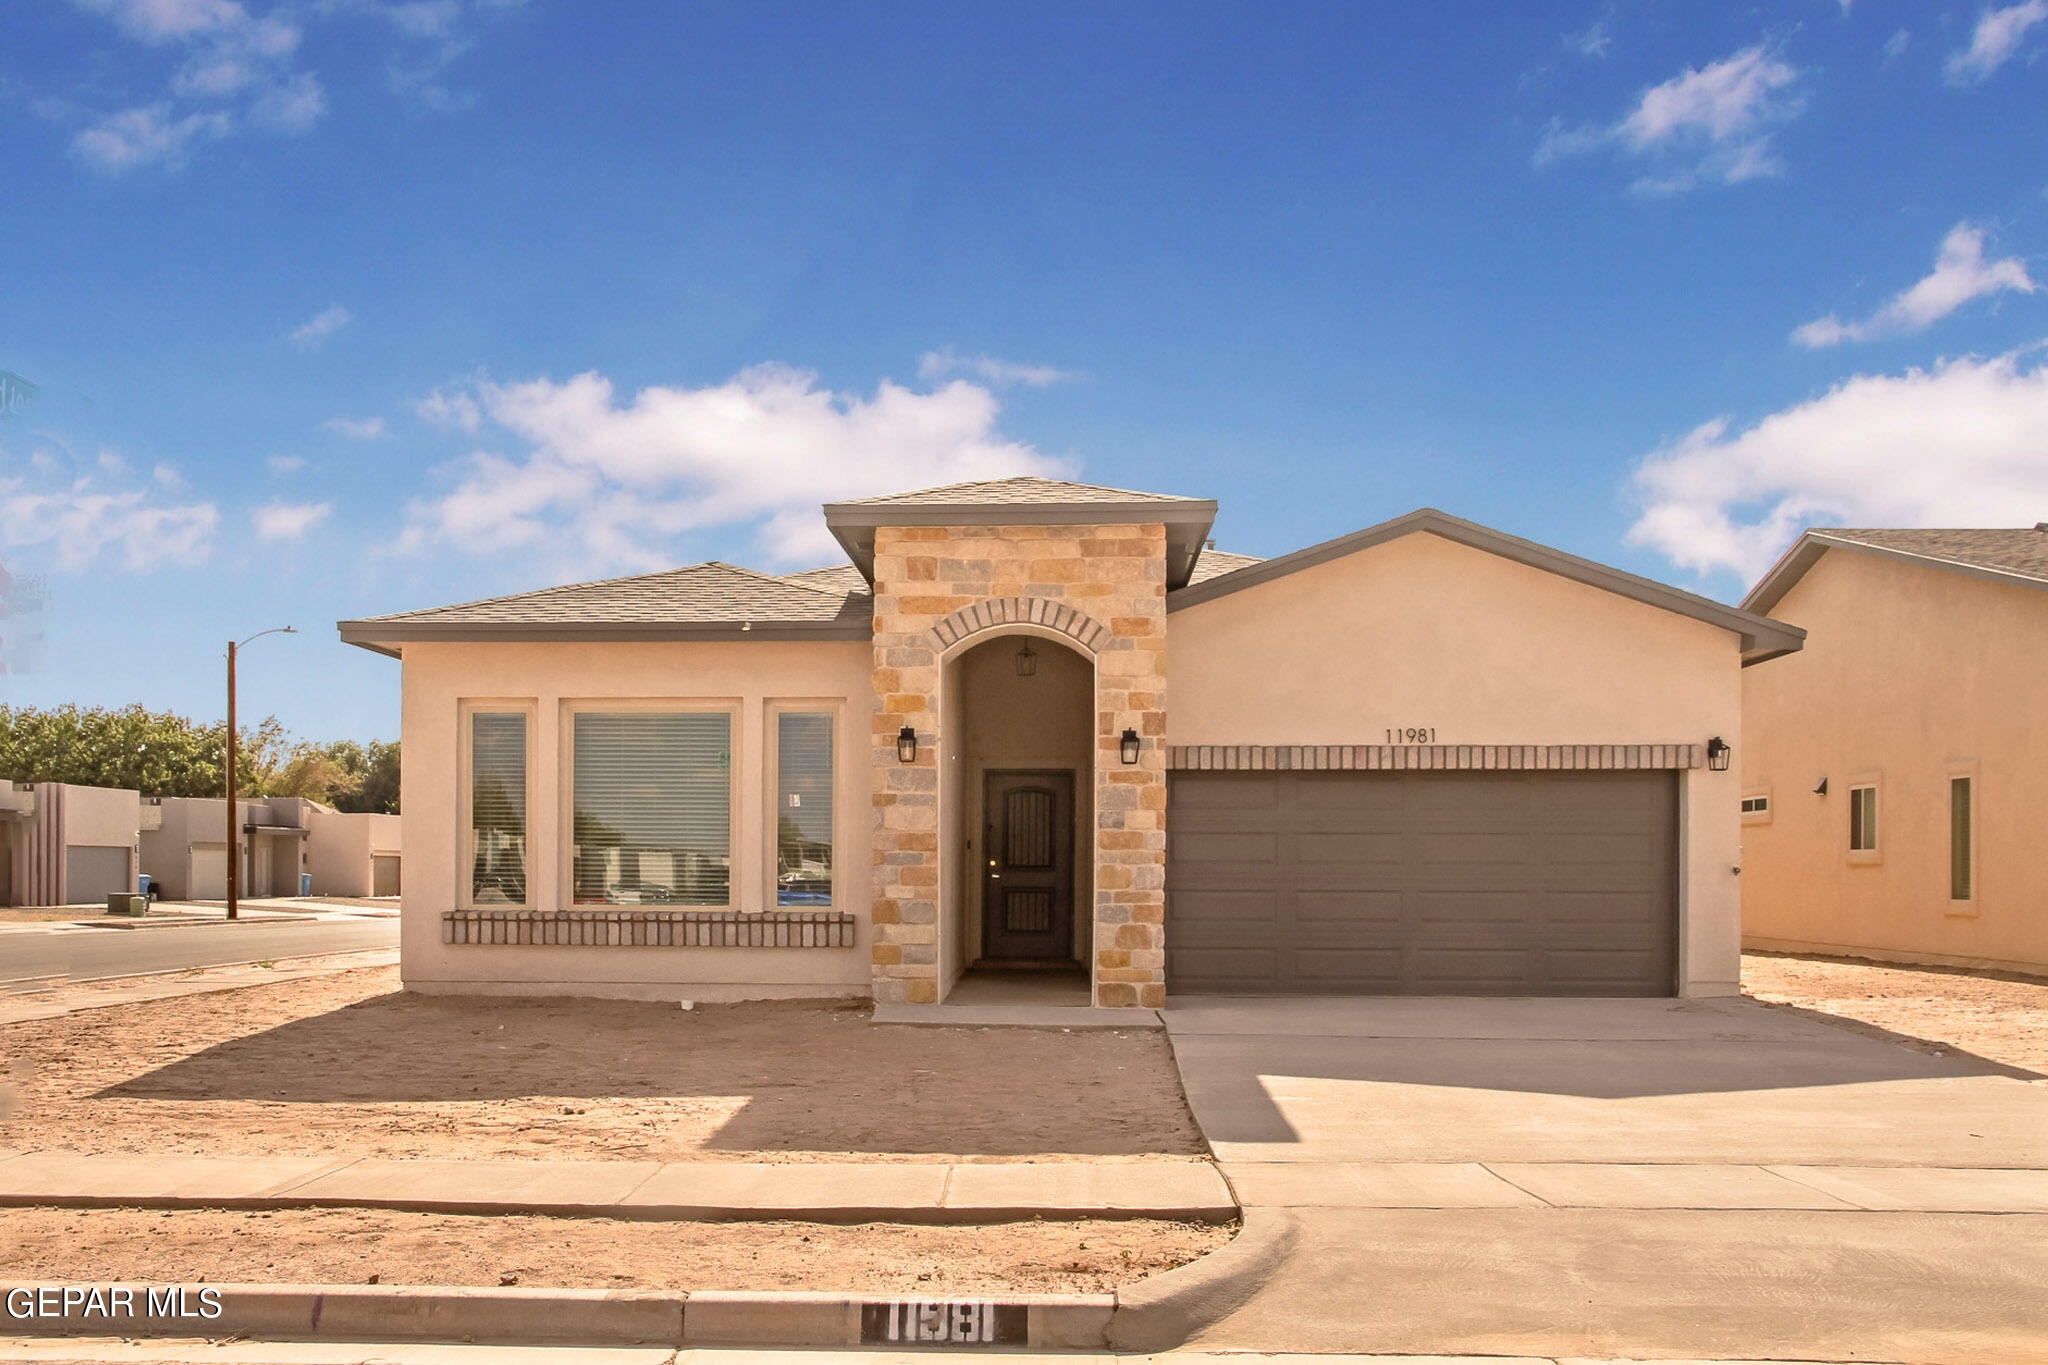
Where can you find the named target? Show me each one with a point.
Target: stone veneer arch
(1077, 626)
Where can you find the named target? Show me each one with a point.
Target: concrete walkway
(54, 997)
(849, 1192)
(1704, 1179)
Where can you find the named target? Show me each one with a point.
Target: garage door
(93, 874)
(208, 875)
(1434, 883)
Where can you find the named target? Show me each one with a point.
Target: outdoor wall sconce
(1820, 788)
(1129, 745)
(906, 745)
(1717, 754)
(1027, 662)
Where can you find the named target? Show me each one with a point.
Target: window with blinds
(1863, 819)
(497, 808)
(1961, 791)
(652, 817)
(803, 808)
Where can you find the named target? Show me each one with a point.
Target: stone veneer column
(1114, 575)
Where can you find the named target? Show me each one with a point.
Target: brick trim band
(652, 928)
(1430, 757)
(1077, 626)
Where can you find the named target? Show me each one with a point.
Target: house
(66, 845)
(1043, 725)
(1894, 788)
(282, 837)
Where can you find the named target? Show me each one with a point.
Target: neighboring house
(347, 853)
(1895, 779)
(1036, 723)
(67, 845)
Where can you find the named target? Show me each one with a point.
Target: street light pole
(234, 823)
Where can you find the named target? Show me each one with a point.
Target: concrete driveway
(1628, 1177)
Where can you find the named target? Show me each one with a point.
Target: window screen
(497, 808)
(653, 809)
(1863, 819)
(1961, 795)
(803, 808)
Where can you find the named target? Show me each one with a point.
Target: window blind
(1863, 819)
(652, 808)
(803, 808)
(497, 808)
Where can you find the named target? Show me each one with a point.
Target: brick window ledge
(627, 928)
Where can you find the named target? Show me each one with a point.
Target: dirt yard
(358, 1246)
(348, 1064)
(1997, 1016)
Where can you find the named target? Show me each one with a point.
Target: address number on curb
(947, 1322)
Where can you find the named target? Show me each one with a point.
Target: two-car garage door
(1422, 883)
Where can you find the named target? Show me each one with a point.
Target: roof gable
(2007, 555)
(1761, 637)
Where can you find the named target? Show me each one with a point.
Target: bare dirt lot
(349, 1246)
(1997, 1016)
(348, 1064)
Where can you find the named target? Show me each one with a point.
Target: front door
(1027, 894)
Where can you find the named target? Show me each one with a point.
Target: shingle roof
(2009, 554)
(839, 577)
(709, 592)
(1022, 490)
(1216, 563)
(2018, 550)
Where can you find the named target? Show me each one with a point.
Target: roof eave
(1807, 550)
(1759, 634)
(1187, 522)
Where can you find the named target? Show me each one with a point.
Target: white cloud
(288, 520)
(286, 464)
(1896, 45)
(606, 485)
(322, 325)
(450, 409)
(1712, 125)
(1593, 42)
(136, 137)
(77, 519)
(1994, 41)
(159, 21)
(990, 370)
(359, 428)
(1956, 445)
(1960, 274)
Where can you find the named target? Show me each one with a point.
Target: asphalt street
(94, 953)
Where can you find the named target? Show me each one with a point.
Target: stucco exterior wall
(340, 846)
(1478, 649)
(1910, 674)
(68, 817)
(547, 679)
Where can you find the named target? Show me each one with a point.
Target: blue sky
(340, 307)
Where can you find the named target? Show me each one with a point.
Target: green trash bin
(127, 903)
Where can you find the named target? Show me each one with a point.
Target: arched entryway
(1017, 815)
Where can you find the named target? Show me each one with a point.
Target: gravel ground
(1995, 1015)
(350, 1246)
(349, 1065)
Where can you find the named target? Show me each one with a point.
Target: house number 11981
(1413, 735)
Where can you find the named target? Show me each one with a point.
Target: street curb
(1152, 1315)
(588, 1317)
(1164, 1311)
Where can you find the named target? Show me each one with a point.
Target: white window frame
(1758, 817)
(466, 710)
(771, 788)
(565, 806)
(1963, 769)
(1874, 782)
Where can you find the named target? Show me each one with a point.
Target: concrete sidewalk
(840, 1192)
(55, 997)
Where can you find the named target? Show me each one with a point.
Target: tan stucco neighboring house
(1895, 779)
(282, 838)
(62, 844)
(1037, 726)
